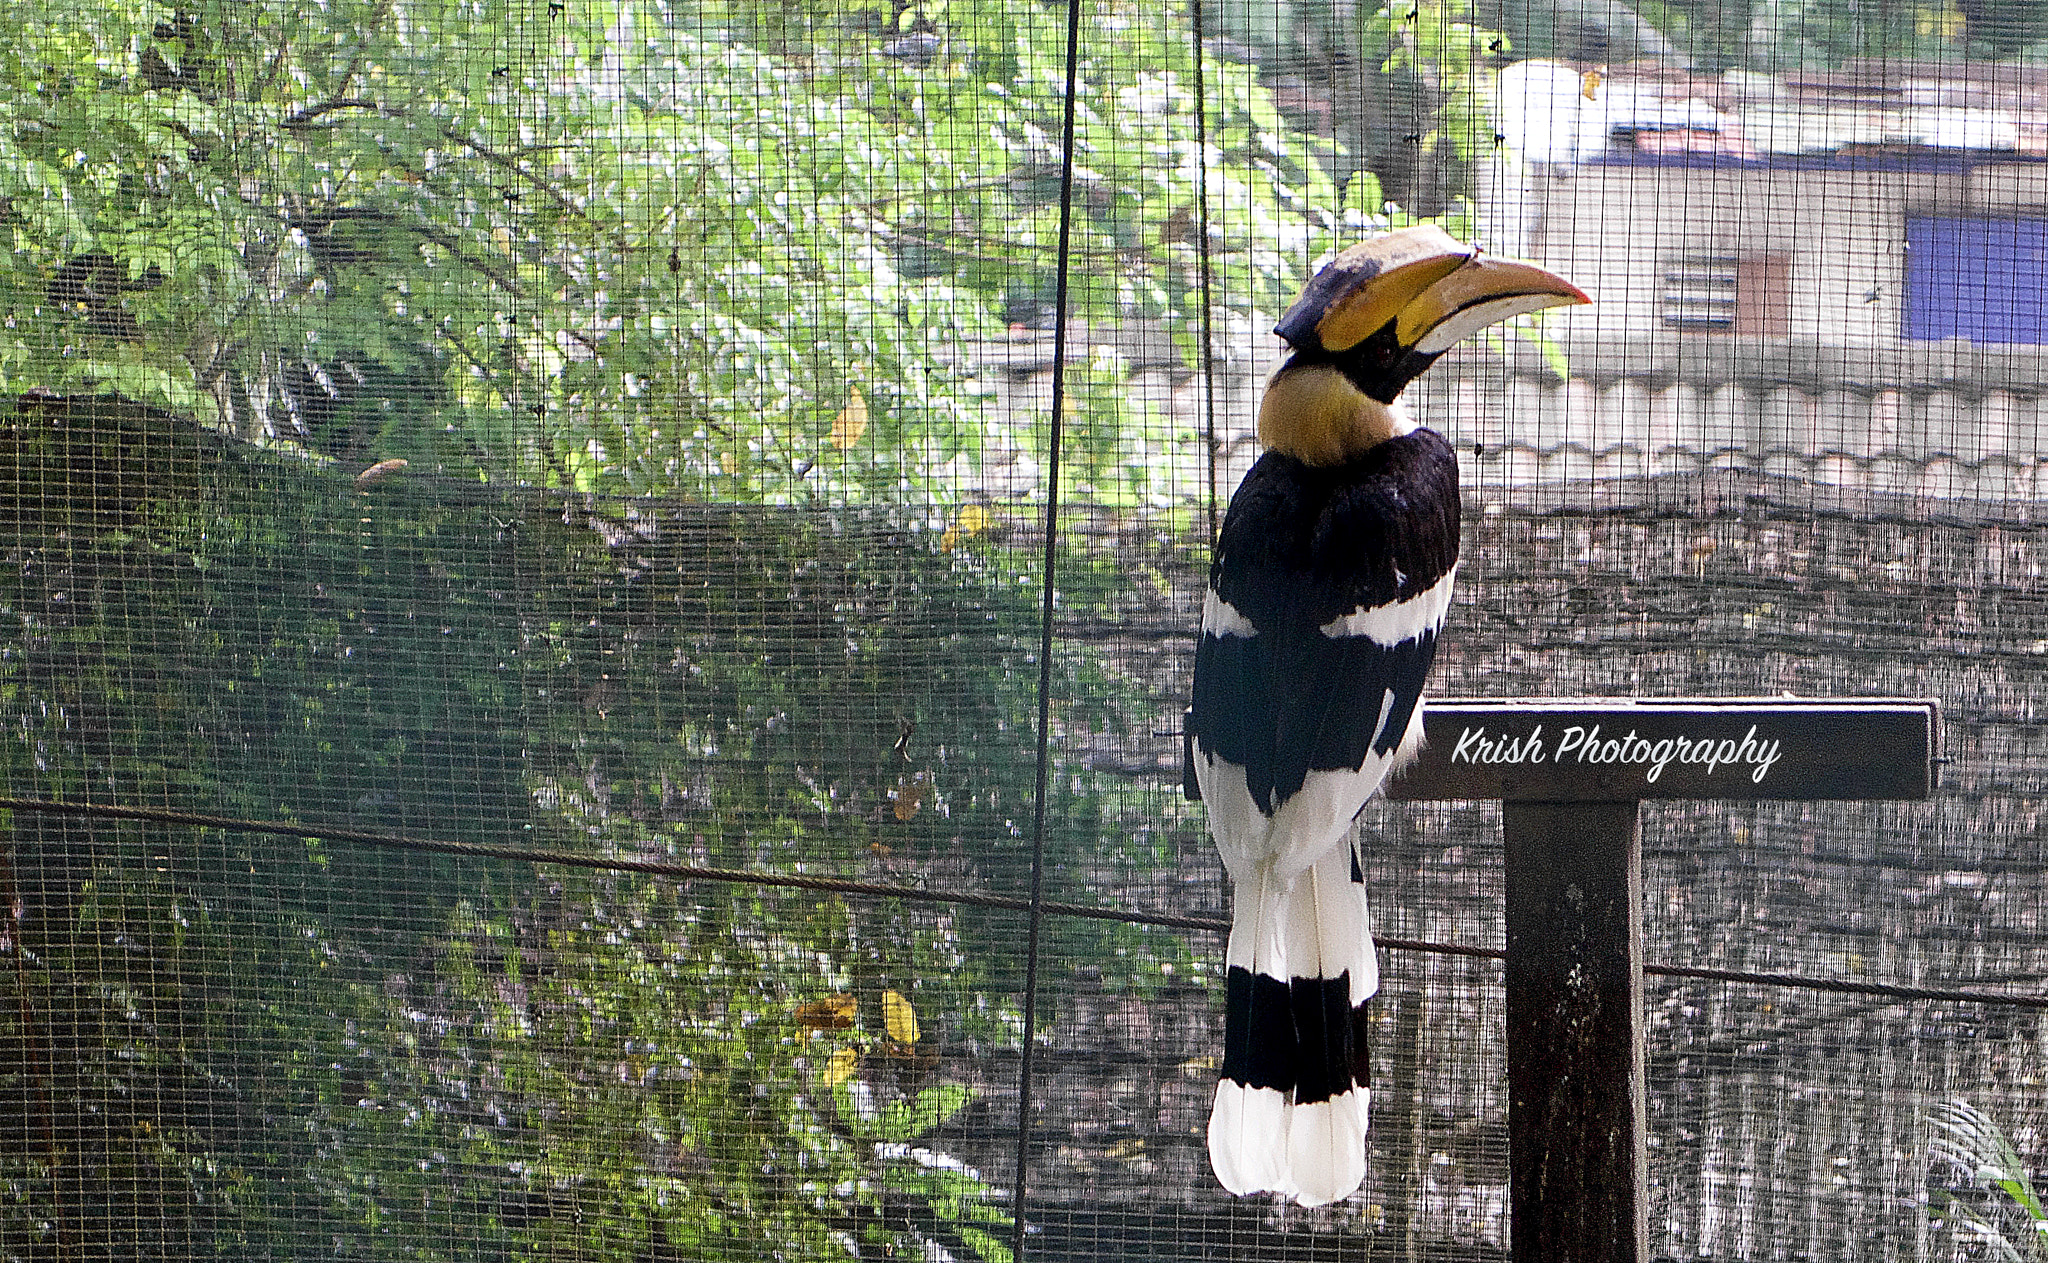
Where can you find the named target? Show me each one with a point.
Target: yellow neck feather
(1318, 417)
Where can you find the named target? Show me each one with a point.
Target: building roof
(1879, 114)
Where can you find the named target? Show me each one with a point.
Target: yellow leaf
(851, 423)
(1589, 84)
(833, 1013)
(1947, 21)
(973, 520)
(841, 1067)
(898, 1018)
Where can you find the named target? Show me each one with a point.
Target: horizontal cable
(572, 859)
(892, 890)
(1883, 990)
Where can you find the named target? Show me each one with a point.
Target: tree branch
(303, 120)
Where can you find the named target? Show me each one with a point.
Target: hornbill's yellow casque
(1331, 578)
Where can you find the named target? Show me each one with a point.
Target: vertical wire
(40, 1065)
(1036, 916)
(1206, 283)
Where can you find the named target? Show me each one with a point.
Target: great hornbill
(1330, 581)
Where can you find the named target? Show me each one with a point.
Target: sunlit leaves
(622, 246)
(1976, 1148)
(970, 521)
(841, 1066)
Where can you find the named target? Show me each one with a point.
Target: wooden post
(1571, 775)
(1576, 1107)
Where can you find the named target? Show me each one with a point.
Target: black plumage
(1301, 547)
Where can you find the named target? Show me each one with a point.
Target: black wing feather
(1302, 546)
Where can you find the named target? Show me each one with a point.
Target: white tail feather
(1248, 1139)
(1260, 1140)
(1326, 1148)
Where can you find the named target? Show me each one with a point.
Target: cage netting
(598, 596)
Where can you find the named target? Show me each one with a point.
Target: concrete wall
(1612, 227)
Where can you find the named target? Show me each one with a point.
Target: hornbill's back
(1331, 579)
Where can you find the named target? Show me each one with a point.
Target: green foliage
(268, 1041)
(619, 245)
(1975, 1145)
(1791, 34)
(704, 273)
(2003, 28)
(1773, 36)
(1401, 90)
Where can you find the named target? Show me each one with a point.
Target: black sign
(1600, 750)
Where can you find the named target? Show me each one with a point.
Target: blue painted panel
(1981, 278)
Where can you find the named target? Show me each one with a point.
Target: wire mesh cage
(598, 598)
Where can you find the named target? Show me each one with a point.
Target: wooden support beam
(1576, 1108)
(1571, 775)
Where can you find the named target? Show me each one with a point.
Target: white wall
(1612, 227)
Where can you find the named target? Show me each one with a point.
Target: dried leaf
(833, 1013)
(973, 520)
(851, 423)
(898, 1018)
(1589, 84)
(909, 796)
(379, 472)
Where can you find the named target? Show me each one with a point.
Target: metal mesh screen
(597, 599)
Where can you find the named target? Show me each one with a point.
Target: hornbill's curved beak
(1386, 308)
